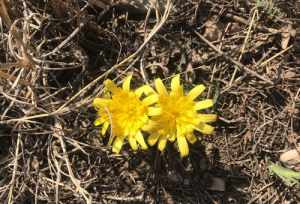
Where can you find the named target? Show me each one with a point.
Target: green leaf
(288, 176)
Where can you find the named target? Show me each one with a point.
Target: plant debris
(55, 56)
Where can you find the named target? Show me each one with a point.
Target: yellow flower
(179, 116)
(125, 112)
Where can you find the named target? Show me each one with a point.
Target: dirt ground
(55, 55)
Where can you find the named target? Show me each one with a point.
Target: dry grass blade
(4, 13)
(60, 110)
(13, 78)
(255, 13)
(58, 133)
(241, 66)
(15, 166)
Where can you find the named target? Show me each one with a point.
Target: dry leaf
(235, 27)
(291, 159)
(289, 74)
(287, 33)
(212, 30)
(196, 56)
(247, 137)
(190, 73)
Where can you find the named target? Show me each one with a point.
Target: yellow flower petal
(191, 138)
(146, 89)
(149, 126)
(132, 142)
(140, 139)
(117, 145)
(176, 116)
(110, 85)
(149, 100)
(196, 91)
(160, 87)
(180, 130)
(104, 128)
(154, 111)
(127, 129)
(204, 104)
(127, 115)
(152, 139)
(99, 121)
(175, 83)
(126, 83)
(162, 144)
(205, 128)
(100, 102)
(172, 138)
(207, 118)
(183, 146)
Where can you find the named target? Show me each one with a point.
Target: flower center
(177, 111)
(129, 113)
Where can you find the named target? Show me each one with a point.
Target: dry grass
(54, 57)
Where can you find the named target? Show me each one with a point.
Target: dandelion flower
(179, 116)
(125, 112)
